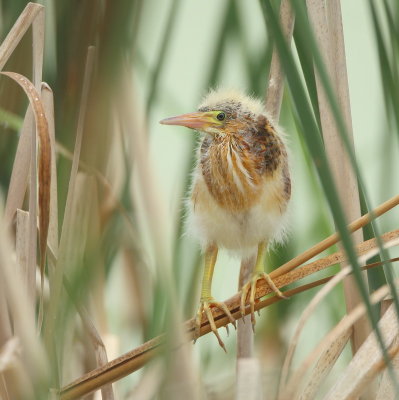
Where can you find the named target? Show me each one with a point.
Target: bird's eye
(221, 116)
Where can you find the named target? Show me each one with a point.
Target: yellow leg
(257, 273)
(207, 301)
(211, 254)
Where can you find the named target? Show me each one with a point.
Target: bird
(240, 192)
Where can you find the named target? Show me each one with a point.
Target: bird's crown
(231, 100)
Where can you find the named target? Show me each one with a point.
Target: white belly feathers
(238, 231)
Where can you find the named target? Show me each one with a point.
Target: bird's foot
(205, 306)
(250, 287)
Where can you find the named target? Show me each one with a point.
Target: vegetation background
(155, 59)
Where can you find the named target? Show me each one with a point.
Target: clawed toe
(250, 287)
(205, 307)
(273, 286)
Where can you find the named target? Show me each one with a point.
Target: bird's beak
(195, 120)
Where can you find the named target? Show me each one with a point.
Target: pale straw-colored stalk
(33, 15)
(28, 280)
(56, 283)
(368, 362)
(327, 25)
(273, 99)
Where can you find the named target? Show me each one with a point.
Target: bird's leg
(207, 301)
(257, 273)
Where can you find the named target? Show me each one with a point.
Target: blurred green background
(166, 55)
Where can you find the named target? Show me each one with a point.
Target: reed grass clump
(98, 283)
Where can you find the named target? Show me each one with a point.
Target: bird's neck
(230, 172)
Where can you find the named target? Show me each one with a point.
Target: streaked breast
(230, 175)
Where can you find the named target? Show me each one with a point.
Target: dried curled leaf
(44, 161)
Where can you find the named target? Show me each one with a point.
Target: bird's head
(222, 114)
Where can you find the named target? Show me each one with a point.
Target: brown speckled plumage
(250, 142)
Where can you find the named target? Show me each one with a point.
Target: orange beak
(195, 120)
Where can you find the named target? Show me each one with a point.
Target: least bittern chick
(241, 188)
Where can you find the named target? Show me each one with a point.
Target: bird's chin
(214, 132)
